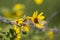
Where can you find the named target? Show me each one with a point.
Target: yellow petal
(14, 27)
(26, 29)
(40, 17)
(39, 25)
(17, 30)
(40, 14)
(38, 1)
(28, 17)
(20, 21)
(35, 14)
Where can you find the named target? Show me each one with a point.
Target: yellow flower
(38, 1)
(15, 27)
(18, 10)
(18, 6)
(17, 31)
(50, 34)
(36, 18)
(25, 28)
(19, 21)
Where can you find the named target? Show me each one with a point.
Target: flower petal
(40, 17)
(39, 25)
(35, 14)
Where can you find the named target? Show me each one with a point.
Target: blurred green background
(48, 7)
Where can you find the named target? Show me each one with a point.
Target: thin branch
(3, 19)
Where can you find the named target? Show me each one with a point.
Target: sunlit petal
(35, 14)
(39, 25)
(40, 17)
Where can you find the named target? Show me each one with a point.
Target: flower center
(36, 20)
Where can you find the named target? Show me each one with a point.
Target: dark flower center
(16, 21)
(36, 20)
